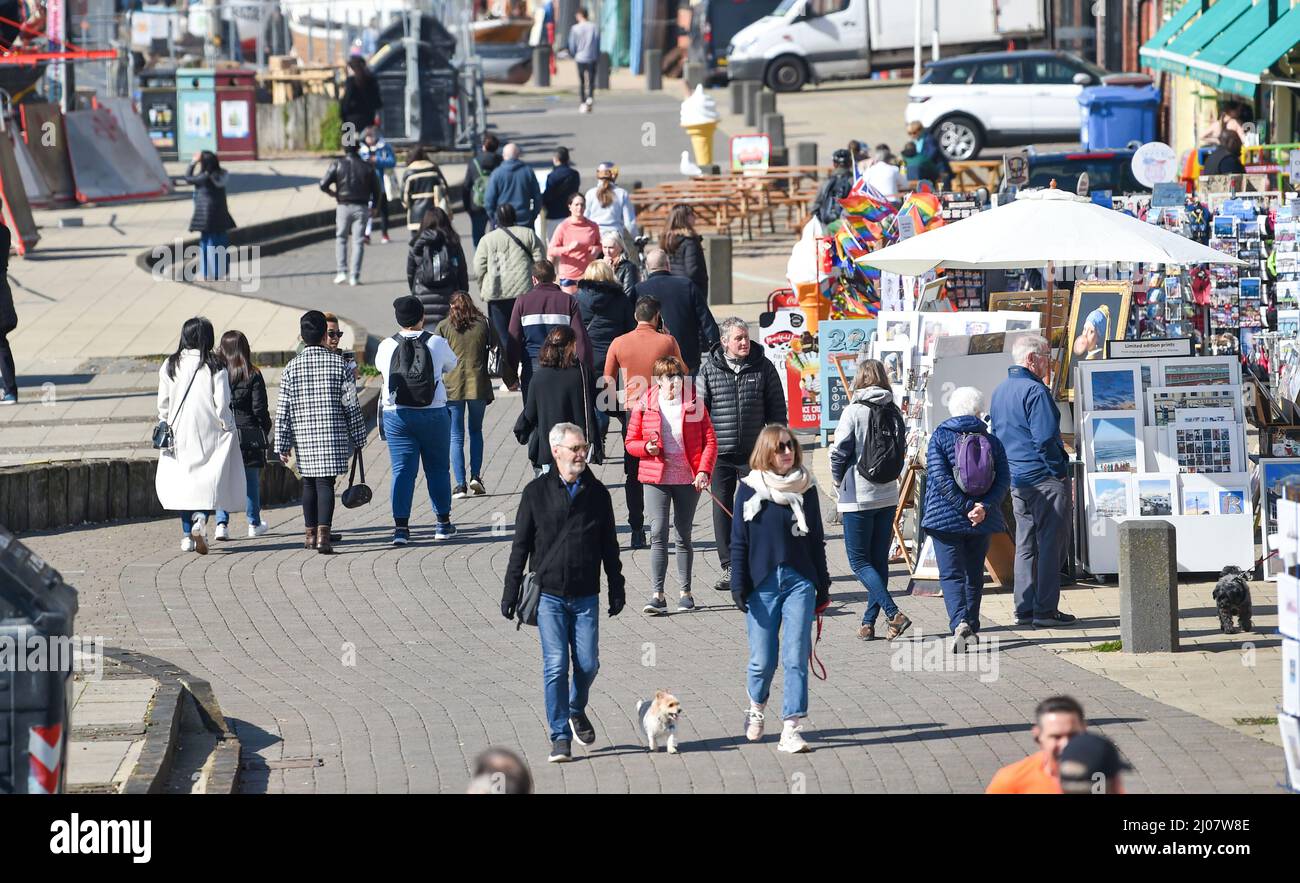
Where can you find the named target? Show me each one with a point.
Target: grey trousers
(349, 221)
(1042, 540)
(684, 499)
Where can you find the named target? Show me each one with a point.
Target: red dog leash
(814, 661)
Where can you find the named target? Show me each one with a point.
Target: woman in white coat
(203, 470)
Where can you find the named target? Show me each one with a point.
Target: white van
(805, 41)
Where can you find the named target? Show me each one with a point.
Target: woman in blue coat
(961, 524)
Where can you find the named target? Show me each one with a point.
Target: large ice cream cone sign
(700, 118)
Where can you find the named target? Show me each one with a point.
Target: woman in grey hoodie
(867, 508)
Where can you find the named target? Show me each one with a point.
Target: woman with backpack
(436, 266)
(469, 389)
(561, 391)
(574, 244)
(670, 433)
(966, 479)
(863, 445)
(253, 419)
(685, 247)
(611, 207)
(199, 465)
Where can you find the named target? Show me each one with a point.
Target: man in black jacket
(565, 530)
(742, 392)
(355, 184)
(682, 305)
(561, 183)
(837, 185)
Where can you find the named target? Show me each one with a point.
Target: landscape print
(1110, 497)
(1113, 390)
(1155, 496)
(1114, 444)
(1197, 503)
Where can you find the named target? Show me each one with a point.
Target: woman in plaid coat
(318, 417)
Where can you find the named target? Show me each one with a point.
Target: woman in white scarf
(778, 573)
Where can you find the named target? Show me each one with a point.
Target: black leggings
(8, 379)
(317, 501)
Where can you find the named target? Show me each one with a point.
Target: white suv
(971, 101)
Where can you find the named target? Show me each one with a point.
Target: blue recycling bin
(1114, 116)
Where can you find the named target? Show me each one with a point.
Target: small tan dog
(659, 719)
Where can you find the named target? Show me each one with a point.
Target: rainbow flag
(867, 202)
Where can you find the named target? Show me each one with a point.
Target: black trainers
(638, 538)
(401, 536)
(560, 752)
(1025, 621)
(724, 582)
(476, 486)
(459, 492)
(1056, 618)
(656, 606)
(582, 729)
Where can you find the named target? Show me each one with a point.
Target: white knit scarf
(783, 490)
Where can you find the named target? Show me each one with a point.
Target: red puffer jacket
(697, 436)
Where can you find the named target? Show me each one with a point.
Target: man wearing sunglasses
(565, 531)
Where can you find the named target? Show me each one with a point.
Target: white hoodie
(855, 493)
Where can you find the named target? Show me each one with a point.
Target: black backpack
(411, 371)
(829, 209)
(434, 266)
(882, 457)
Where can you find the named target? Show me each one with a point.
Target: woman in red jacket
(670, 432)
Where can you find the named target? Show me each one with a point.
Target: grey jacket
(504, 269)
(855, 493)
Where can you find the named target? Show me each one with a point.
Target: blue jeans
(187, 520)
(568, 627)
(961, 575)
(418, 435)
(866, 539)
(213, 263)
(783, 594)
(457, 411)
(253, 489)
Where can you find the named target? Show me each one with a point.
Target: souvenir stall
(1288, 625)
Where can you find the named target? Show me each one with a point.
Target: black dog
(1232, 595)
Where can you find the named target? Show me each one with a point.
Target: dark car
(1107, 170)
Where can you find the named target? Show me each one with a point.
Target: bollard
(694, 73)
(774, 128)
(737, 89)
(717, 258)
(752, 92)
(1148, 587)
(805, 153)
(602, 71)
(654, 70)
(779, 156)
(542, 65)
(766, 104)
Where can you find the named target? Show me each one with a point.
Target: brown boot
(309, 539)
(323, 544)
(897, 626)
(867, 632)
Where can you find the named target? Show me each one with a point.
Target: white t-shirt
(443, 361)
(886, 178)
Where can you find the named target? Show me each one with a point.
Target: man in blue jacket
(516, 183)
(1028, 423)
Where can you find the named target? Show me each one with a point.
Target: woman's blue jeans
(866, 540)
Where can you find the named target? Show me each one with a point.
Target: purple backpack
(973, 468)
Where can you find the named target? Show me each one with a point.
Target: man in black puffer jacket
(742, 391)
(433, 251)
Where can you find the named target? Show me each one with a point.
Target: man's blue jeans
(866, 539)
(785, 594)
(961, 575)
(418, 435)
(568, 627)
(458, 409)
(253, 491)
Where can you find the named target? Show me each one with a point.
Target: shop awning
(1242, 74)
(1199, 34)
(1168, 31)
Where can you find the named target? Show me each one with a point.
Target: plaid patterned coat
(318, 414)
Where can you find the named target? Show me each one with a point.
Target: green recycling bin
(196, 111)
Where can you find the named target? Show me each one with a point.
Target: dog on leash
(659, 719)
(1232, 596)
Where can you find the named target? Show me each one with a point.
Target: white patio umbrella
(1048, 226)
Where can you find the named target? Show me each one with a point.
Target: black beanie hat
(312, 326)
(408, 310)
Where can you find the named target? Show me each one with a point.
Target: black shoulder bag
(530, 590)
(356, 494)
(163, 437)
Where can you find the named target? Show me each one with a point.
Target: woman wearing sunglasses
(670, 432)
(778, 573)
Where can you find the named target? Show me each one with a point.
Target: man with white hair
(1028, 423)
(514, 182)
(565, 531)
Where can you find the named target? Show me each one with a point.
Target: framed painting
(1098, 313)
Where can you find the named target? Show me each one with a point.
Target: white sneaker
(187, 544)
(340, 278)
(754, 722)
(352, 280)
(960, 637)
(257, 530)
(196, 534)
(791, 742)
(222, 532)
